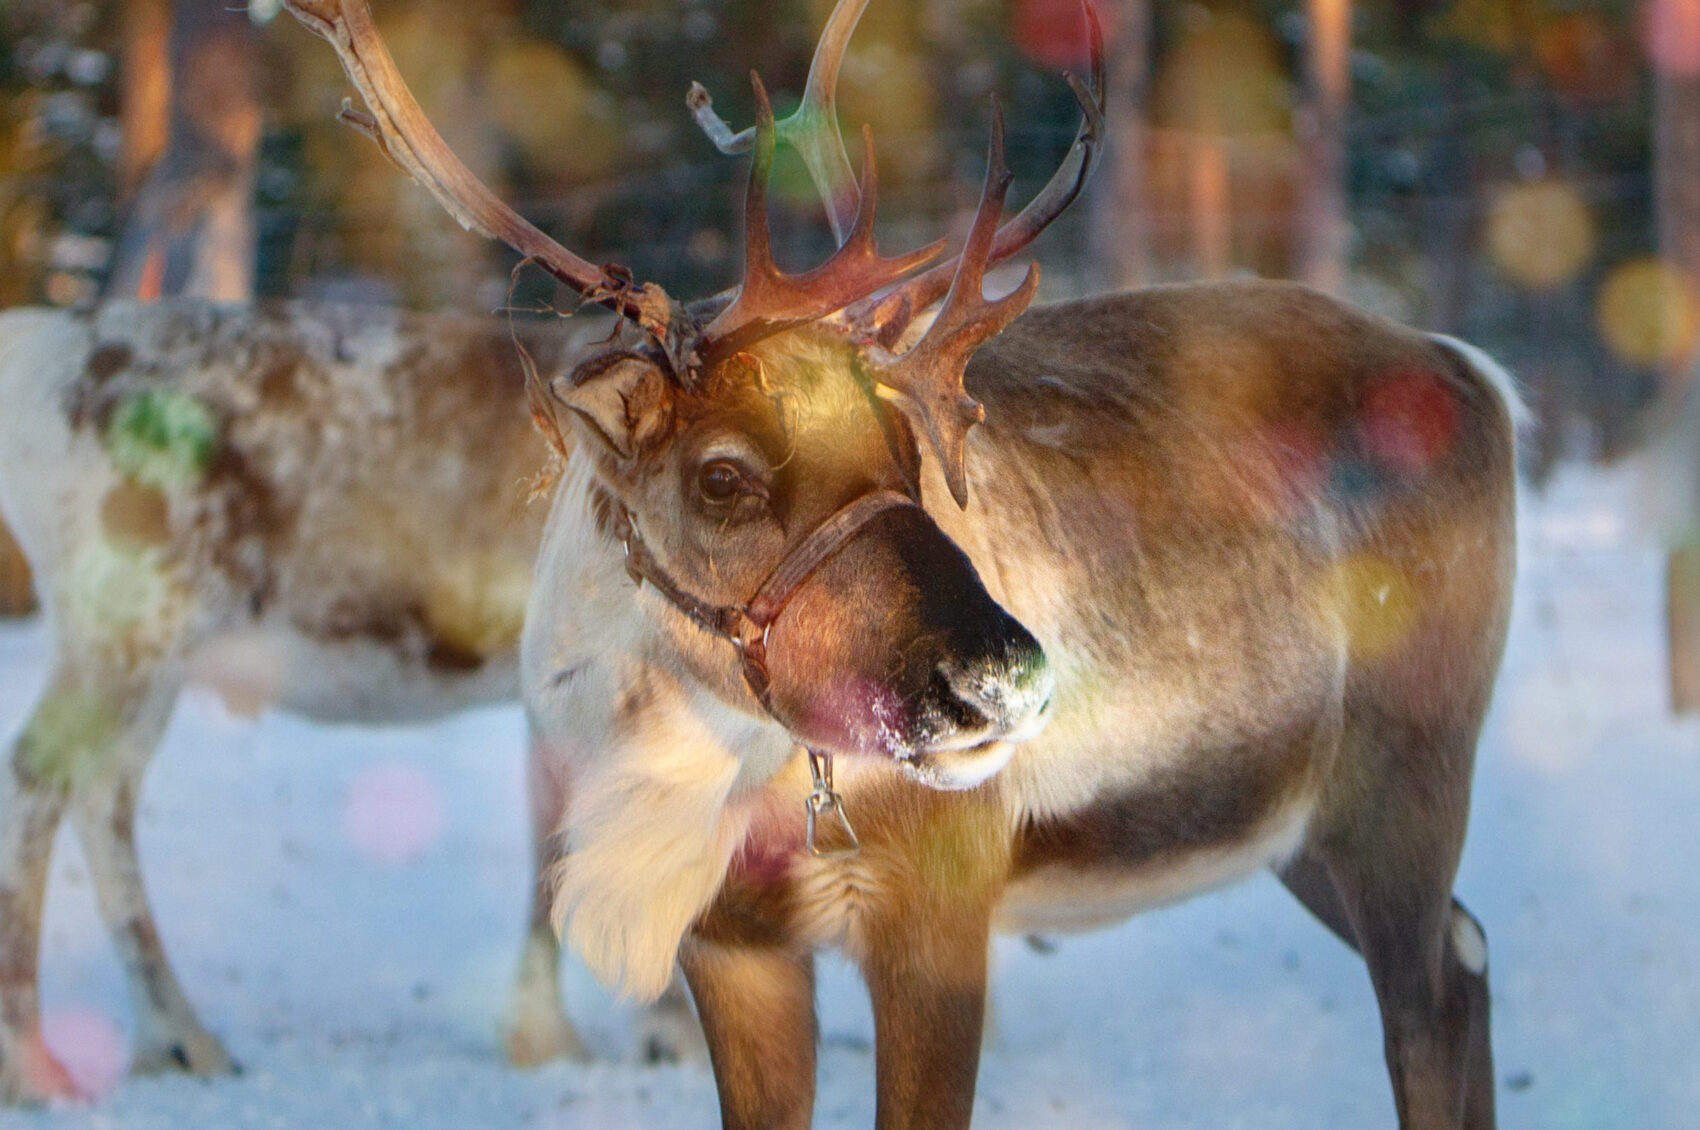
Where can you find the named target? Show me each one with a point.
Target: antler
(771, 300)
(927, 377)
(887, 314)
(813, 128)
(408, 138)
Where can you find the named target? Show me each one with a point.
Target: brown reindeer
(317, 509)
(1221, 584)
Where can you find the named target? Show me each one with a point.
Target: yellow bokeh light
(1374, 601)
(1540, 234)
(542, 100)
(1648, 313)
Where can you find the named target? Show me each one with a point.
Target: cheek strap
(746, 625)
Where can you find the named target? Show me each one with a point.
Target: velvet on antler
(927, 377)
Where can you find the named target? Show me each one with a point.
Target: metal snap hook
(827, 803)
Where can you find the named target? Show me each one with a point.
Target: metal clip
(825, 801)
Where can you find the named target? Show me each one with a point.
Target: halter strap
(746, 625)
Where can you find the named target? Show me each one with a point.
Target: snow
(361, 985)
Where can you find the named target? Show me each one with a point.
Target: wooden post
(1120, 205)
(145, 92)
(190, 229)
(1323, 227)
(1675, 38)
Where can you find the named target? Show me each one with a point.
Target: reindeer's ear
(625, 405)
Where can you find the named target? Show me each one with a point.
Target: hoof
(667, 1035)
(184, 1053)
(31, 1076)
(535, 1040)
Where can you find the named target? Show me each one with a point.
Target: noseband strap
(746, 625)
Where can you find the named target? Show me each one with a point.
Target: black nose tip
(1004, 689)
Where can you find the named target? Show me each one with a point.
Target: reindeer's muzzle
(985, 697)
(875, 635)
(894, 647)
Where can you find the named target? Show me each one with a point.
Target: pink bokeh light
(393, 813)
(84, 1045)
(1670, 30)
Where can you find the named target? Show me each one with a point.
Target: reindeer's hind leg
(169, 1036)
(1383, 883)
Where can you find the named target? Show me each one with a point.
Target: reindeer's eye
(720, 481)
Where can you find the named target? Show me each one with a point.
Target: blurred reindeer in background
(316, 509)
(1244, 661)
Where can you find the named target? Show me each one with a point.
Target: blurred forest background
(1521, 173)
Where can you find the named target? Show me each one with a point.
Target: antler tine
(927, 378)
(771, 300)
(407, 137)
(890, 311)
(812, 129)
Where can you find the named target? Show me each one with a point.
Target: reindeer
(320, 509)
(1221, 584)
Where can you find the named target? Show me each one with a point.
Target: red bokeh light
(1410, 419)
(1053, 32)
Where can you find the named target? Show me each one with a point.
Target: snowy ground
(364, 993)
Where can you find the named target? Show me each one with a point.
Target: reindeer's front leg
(926, 973)
(757, 1006)
(30, 811)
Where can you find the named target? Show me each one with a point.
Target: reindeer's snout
(981, 703)
(894, 647)
(1009, 691)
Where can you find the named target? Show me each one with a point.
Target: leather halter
(746, 625)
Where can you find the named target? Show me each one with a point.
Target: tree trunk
(190, 229)
(145, 92)
(1676, 202)
(1120, 208)
(1323, 228)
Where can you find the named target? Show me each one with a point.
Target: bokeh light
(1286, 470)
(1053, 32)
(67, 736)
(393, 813)
(116, 588)
(1409, 420)
(162, 438)
(1541, 233)
(1648, 313)
(1586, 56)
(1670, 31)
(88, 1045)
(540, 98)
(1225, 77)
(1374, 600)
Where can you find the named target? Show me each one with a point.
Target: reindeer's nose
(1008, 690)
(1009, 685)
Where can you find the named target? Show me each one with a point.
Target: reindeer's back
(1240, 517)
(346, 473)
